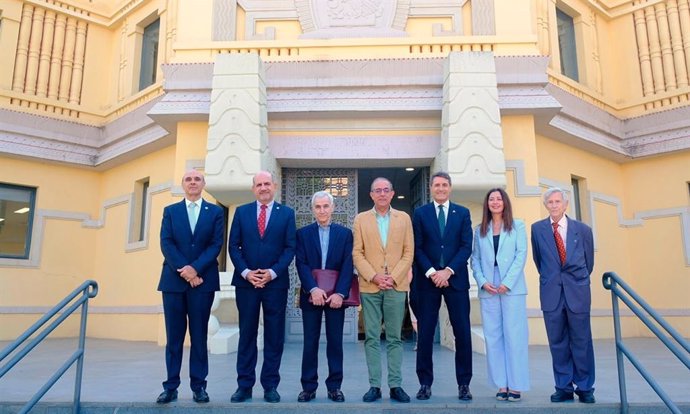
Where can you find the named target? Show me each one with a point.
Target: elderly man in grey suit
(563, 251)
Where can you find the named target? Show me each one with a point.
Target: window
(16, 219)
(579, 199)
(139, 211)
(149, 55)
(566, 45)
(576, 198)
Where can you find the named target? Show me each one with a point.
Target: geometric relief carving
(87, 222)
(224, 15)
(483, 18)
(472, 144)
(237, 144)
(522, 189)
(342, 18)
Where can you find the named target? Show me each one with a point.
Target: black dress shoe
(271, 395)
(306, 396)
(586, 397)
(399, 395)
(200, 396)
(464, 393)
(424, 392)
(241, 395)
(561, 396)
(372, 395)
(336, 395)
(167, 396)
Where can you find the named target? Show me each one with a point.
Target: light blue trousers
(504, 318)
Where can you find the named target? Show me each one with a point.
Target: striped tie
(559, 243)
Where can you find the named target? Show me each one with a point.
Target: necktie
(262, 220)
(191, 213)
(560, 246)
(442, 227)
(441, 219)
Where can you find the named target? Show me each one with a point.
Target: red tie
(262, 221)
(559, 243)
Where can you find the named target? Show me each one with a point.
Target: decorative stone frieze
(339, 18)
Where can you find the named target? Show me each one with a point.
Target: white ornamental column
(236, 149)
(237, 146)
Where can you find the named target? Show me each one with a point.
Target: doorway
(411, 191)
(350, 190)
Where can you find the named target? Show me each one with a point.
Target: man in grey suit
(563, 251)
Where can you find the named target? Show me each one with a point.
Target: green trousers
(387, 306)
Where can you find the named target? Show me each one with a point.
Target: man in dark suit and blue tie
(191, 240)
(323, 245)
(443, 244)
(563, 251)
(261, 246)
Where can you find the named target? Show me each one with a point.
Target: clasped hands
(440, 277)
(259, 277)
(495, 290)
(319, 298)
(189, 274)
(384, 282)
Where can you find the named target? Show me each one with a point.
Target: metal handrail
(620, 289)
(87, 290)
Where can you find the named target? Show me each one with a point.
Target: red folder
(326, 280)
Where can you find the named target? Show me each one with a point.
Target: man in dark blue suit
(261, 246)
(563, 251)
(323, 245)
(191, 240)
(443, 244)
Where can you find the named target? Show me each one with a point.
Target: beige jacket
(371, 258)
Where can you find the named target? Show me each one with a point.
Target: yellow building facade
(104, 105)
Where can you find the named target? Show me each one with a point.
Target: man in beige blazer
(382, 254)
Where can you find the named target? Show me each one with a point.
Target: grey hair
(377, 179)
(554, 190)
(322, 194)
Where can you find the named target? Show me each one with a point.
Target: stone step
(316, 407)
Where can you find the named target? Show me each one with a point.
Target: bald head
(193, 184)
(263, 187)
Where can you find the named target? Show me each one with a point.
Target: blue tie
(191, 213)
(441, 219)
(442, 227)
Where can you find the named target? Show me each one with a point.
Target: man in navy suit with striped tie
(261, 246)
(563, 251)
(191, 240)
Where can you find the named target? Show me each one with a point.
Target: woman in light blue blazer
(498, 261)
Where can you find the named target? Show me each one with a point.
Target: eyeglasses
(381, 190)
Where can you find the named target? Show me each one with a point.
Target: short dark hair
(441, 174)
